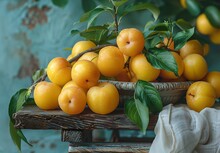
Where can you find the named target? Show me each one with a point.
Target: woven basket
(170, 92)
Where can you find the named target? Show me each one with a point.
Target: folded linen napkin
(181, 130)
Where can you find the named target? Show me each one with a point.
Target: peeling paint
(25, 47)
(53, 146)
(35, 16)
(30, 64)
(42, 145)
(22, 37)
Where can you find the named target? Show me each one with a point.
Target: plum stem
(190, 94)
(97, 48)
(116, 19)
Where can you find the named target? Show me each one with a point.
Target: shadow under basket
(170, 92)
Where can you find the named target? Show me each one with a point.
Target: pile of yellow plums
(74, 85)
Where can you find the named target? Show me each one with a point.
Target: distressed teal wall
(31, 34)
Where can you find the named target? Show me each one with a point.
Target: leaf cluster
(178, 31)
(146, 99)
(115, 11)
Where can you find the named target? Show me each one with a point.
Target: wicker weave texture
(170, 92)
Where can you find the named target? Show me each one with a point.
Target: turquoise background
(25, 47)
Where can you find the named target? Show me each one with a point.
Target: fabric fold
(181, 130)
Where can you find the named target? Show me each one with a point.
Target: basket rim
(158, 85)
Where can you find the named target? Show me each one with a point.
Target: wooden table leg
(115, 136)
(75, 137)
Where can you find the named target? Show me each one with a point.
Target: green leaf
(148, 25)
(155, 41)
(103, 3)
(160, 27)
(148, 94)
(183, 24)
(142, 6)
(162, 59)
(21, 135)
(97, 34)
(213, 15)
(17, 101)
(118, 3)
(37, 74)
(138, 113)
(88, 5)
(182, 37)
(30, 101)
(93, 14)
(158, 30)
(60, 3)
(15, 137)
(193, 7)
(74, 32)
(112, 35)
(154, 34)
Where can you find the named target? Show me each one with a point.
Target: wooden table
(77, 129)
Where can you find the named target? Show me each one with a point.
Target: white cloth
(181, 130)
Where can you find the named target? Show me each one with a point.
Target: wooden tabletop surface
(31, 117)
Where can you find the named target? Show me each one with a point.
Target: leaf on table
(17, 101)
(15, 137)
(148, 94)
